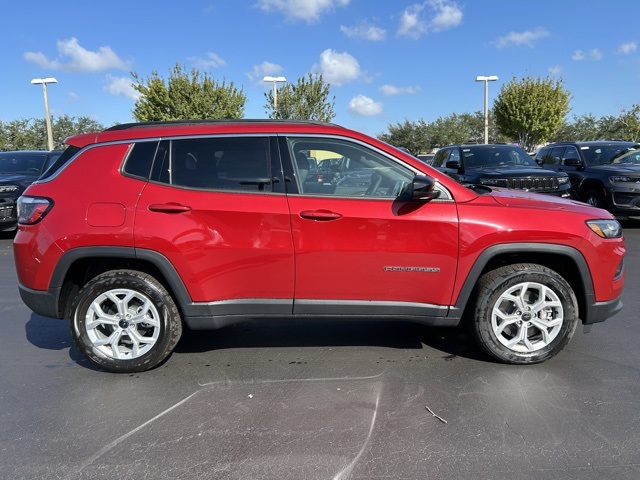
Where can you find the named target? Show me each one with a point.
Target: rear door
(216, 208)
(361, 250)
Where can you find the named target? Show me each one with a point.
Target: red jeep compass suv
(142, 229)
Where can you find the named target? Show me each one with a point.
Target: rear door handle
(169, 208)
(321, 215)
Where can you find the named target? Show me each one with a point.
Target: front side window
(223, 164)
(326, 166)
(571, 153)
(441, 157)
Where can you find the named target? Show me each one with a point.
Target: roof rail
(170, 123)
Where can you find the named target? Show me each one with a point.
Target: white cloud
(593, 55)
(74, 58)
(447, 16)
(389, 90)
(578, 55)
(264, 69)
(307, 10)
(366, 31)
(415, 21)
(555, 70)
(361, 105)
(212, 60)
(338, 68)
(518, 39)
(121, 86)
(627, 48)
(411, 25)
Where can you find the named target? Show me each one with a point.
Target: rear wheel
(524, 313)
(125, 321)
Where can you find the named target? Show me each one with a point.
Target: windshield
(497, 157)
(608, 154)
(21, 163)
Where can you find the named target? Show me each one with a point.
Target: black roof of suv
(603, 173)
(499, 165)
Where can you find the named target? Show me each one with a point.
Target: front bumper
(8, 217)
(624, 200)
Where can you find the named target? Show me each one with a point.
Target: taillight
(33, 209)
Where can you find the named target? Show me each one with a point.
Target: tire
(594, 198)
(511, 324)
(125, 321)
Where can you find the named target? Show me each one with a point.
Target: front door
(359, 248)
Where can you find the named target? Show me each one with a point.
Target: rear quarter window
(140, 159)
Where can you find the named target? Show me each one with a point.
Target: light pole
(44, 82)
(486, 80)
(275, 80)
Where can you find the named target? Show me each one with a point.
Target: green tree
(531, 110)
(414, 136)
(19, 135)
(581, 128)
(308, 99)
(31, 134)
(186, 96)
(630, 123)
(458, 128)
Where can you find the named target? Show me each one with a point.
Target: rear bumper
(44, 303)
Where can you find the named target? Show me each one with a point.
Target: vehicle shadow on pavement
(451, 342)
(54, 334)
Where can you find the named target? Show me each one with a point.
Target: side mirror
(422, 189)
(573, 162)
(454, 164)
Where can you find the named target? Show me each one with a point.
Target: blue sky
(386, 60)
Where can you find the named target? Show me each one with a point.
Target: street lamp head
(274, 79)
(485, 78)
(44, 80)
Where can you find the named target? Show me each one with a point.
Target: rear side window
(222, 164)
(140, 159)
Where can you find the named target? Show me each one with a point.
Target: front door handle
(169, 208)
(321, 215)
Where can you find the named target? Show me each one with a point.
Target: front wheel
(125, 321)
(594, 198)
(524, 313)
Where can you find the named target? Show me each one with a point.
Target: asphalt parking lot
(320, 400)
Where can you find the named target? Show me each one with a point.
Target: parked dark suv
(496, 165)
(605, 174)
(18, 170)
(142, 230)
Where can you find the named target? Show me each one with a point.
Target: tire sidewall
(493, 290)
(170, 326)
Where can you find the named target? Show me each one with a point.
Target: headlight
(623, 179)
(8, 188)
(563, 180)
(605, 228)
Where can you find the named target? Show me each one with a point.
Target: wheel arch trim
(527, 248)
(161, 262)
